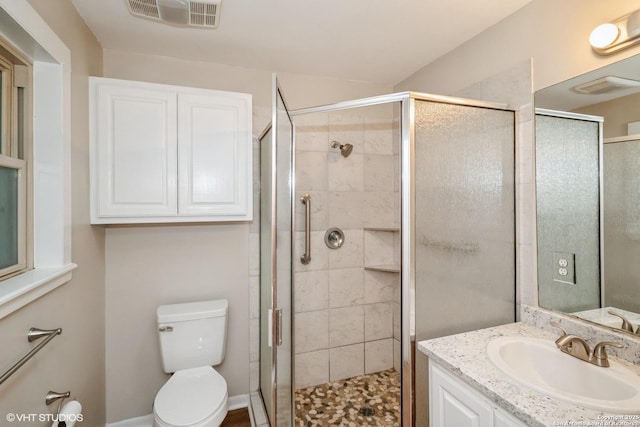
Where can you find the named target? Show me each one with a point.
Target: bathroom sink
(538, 364)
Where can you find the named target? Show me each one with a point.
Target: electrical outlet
(564, 268)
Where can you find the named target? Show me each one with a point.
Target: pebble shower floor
(368, 400)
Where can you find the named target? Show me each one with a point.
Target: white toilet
(192, 340)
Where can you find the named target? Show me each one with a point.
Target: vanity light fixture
(611, 37)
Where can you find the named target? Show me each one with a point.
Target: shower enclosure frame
(407, 224)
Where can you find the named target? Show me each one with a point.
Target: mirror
(588, 195)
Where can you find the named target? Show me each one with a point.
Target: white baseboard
(238, 402)
(234, 402)
(144, 421)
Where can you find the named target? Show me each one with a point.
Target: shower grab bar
(306, 257)
(32, 335)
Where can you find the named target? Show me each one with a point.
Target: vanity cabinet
(452, 403)
(166, 154)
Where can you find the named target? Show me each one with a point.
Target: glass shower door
(464, 225)
(568, 208)
(276, 164)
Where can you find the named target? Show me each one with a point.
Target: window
(14, 162)
(47, 148)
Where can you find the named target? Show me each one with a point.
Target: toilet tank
(192, 334)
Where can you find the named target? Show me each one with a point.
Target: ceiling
(368, 40)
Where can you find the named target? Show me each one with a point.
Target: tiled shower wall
(346, 316)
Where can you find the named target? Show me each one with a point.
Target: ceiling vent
(606, 84)
(201, 13)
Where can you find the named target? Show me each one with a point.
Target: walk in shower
(393, 222)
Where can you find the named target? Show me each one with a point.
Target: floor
(367, 400)
(237, 418)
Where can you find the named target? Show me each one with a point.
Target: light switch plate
(564, 268)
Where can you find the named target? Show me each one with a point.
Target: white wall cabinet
(166, 154)
(452, 403)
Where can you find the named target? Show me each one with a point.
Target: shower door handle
(306, 257)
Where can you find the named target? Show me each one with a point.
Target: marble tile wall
(344, 320)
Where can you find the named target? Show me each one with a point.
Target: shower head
(345, 149)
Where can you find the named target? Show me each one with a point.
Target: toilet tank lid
(192, 311)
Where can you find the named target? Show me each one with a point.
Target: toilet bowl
(191, 398)
(192, 341)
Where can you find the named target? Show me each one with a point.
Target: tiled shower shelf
(382, 249)
(389, 268)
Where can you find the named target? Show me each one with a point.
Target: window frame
(50, 157)
(16, 73)
(6, 106)
(21, 265)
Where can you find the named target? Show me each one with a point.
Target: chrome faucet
(578, 347)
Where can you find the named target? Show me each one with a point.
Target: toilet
(192, 339)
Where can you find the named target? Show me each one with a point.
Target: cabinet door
(504, 419)
(134, 146)
(452, 404)
(214, 155)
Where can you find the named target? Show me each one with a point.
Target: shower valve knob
(334, 238)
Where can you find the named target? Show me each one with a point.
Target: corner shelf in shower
(388, 268)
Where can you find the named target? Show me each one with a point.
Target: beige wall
(554, 33)
(149, 266)
(75, 360)
(299, 90)
(617, 114)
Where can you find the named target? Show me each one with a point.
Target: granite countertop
(602, 316)
(465, 356)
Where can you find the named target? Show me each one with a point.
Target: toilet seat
(192, 397)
